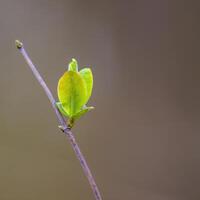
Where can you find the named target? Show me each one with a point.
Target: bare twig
(63, 125)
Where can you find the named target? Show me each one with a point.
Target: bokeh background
(142, 141)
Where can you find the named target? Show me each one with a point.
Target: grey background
(142, 141)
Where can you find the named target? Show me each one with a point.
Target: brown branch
(63, 126)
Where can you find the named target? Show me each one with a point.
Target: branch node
(63, 128)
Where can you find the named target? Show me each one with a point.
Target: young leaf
(72, 92)
(86, 74)
(82, 112)
(73, 65)
(62, 110)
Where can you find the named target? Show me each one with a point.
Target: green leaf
(73, 65)
(60, 107)
(82, 112)
(86, 74)
(72, 92)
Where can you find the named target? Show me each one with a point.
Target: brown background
(142, 141)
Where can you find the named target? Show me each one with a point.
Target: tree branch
(63, 125)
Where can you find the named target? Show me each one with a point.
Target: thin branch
(63, 125)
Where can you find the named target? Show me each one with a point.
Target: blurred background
(142, 141)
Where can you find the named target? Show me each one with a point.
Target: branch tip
(18, 44)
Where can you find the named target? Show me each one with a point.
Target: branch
(63, 125)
